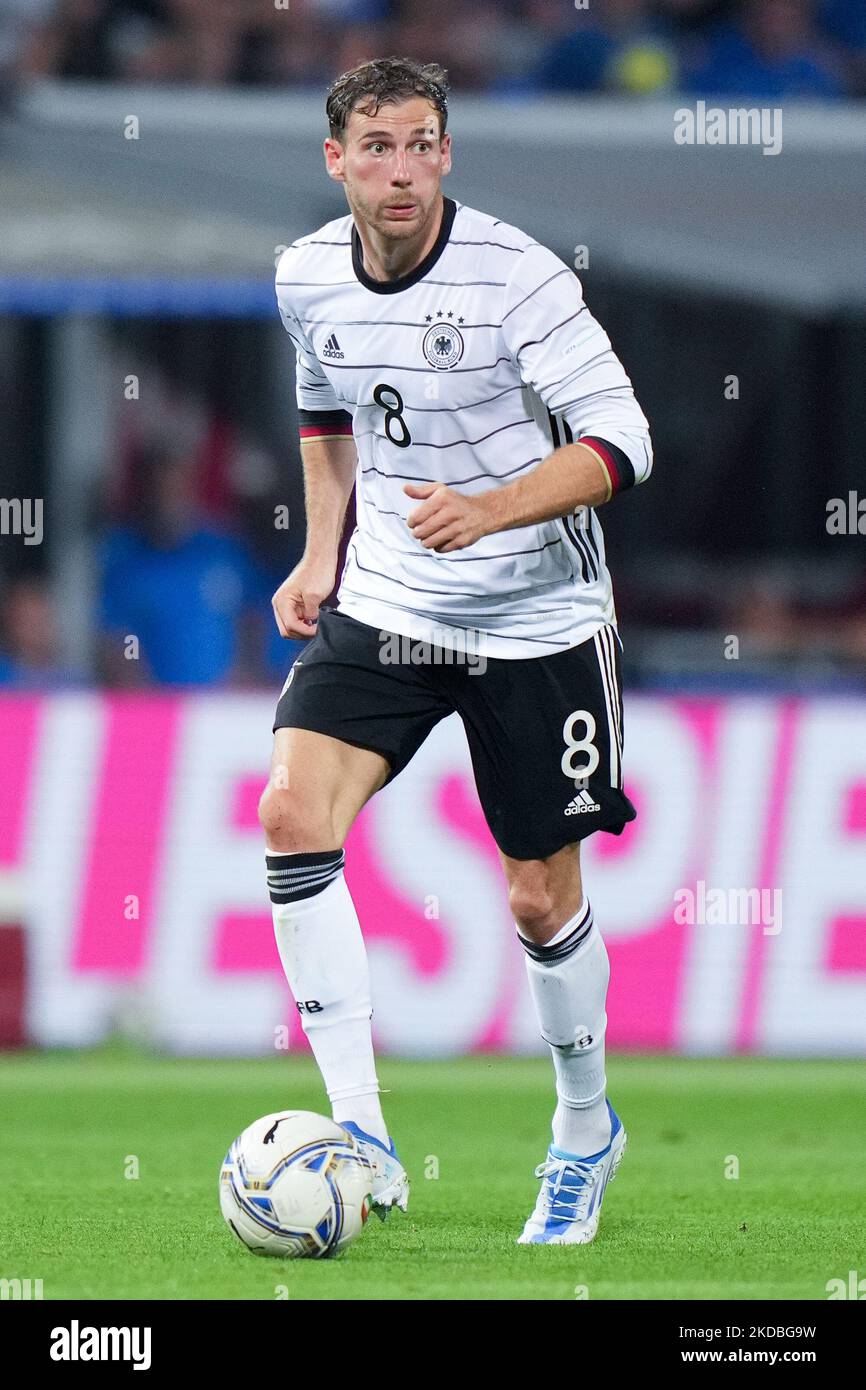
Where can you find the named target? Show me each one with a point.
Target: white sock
(568, 980)
(323, 954)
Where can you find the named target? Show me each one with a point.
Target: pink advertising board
(734, 908)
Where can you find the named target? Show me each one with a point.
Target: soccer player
(449, 371)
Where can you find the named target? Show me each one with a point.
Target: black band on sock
(554, 955)
(292, 877)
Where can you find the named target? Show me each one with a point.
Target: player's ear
(334, 155)
(445, 147)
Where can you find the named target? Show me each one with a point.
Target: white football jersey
(468, 371)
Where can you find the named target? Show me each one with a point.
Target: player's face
(392, 165)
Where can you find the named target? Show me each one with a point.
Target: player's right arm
(329, 477)
(329, 461)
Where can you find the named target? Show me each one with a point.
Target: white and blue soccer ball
(295, 1184)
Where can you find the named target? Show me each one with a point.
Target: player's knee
(533, 908)
(292, 822)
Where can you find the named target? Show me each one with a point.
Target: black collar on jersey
(404, 281)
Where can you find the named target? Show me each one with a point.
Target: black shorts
(544, 733)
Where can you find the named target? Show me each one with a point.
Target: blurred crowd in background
(191, 532)
(761, 49)
(186, 552)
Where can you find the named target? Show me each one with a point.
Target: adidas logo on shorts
(582, 802)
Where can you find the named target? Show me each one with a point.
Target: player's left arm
(566, 356)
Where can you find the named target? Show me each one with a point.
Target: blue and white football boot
(572, 1190)
(390, 1181)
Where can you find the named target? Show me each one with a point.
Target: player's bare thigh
(316, 788)
(544, 893)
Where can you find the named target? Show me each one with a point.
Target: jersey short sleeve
(564, 354)
(320, 414)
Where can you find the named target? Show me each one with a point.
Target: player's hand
(296, 602)
(446, 520)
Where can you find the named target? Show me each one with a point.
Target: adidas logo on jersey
(582, 802)
(332, 348)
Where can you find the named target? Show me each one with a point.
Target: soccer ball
(295, 1184)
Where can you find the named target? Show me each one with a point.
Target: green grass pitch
(470, 1132)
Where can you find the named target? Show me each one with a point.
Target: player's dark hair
(370, 85)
